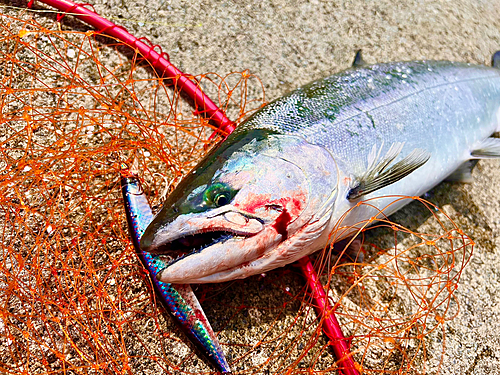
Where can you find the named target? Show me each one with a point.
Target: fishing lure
(179, 299)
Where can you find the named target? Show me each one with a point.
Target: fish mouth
(197, 257)
(182, 247)
(196, 245)
(190, 235)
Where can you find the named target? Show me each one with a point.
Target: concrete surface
(290, 43)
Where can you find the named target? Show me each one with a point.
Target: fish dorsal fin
(488, 149)
(358, 59)
(382, 172)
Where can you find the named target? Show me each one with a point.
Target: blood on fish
(287, 205)
(294, 204)
(281, 224)
(253, 202)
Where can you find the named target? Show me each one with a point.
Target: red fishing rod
(159, 61)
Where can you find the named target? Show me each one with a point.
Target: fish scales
(346, 111)
(279, 185)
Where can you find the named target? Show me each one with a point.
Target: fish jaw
(309, 235)
(199, 245)
(221, 257)
(287, 235)
(176, 235)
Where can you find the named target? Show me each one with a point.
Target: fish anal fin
(358, 59)
(463, 173)
(383, 172)
(488, 149)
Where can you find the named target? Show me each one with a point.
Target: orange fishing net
(73, 295)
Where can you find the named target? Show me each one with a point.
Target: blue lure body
(179, 299)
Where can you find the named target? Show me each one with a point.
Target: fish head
(230, 215)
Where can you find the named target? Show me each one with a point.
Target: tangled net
(73, 295)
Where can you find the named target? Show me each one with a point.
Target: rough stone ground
(289, 43)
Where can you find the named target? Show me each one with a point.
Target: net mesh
(73, 295)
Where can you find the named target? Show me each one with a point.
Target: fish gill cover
(74, 297)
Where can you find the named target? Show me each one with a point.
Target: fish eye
(221, 199)
(218, 195)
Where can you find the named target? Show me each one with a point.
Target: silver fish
(295, 171)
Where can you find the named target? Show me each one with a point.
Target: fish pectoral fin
(488, 149)
(383, 173)
(358, 59)
(463, 173)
